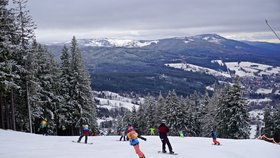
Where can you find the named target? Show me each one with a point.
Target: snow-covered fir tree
(277, 122)
(8, 66)
(150, 117)
(141, 119)
(268, 129)
(172, 113)
(193, 110)
(81, 101)
(232, 118)
(207, 120)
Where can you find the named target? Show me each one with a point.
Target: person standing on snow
(163, 130)
(152, 131)
(214, 136)
(122, 135)
(84, 132)
(132, 136)
(44, 126)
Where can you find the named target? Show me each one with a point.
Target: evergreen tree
(277, 122)
(172, 113)
(141, 119)
(160, 104)
(8, 66)
(194, 118)
(208, 121)
(23, 35)
(232, 117)
(81, 101)
(150, 113)
(268, 129)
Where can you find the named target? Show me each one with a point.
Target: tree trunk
(13, 110)
(28, 106)
(7, 114)
(1, 112)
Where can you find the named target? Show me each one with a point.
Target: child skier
(84, 132)
(122, 135)
(214, 136)
(132, 136)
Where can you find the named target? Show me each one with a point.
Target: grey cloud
(156, 15)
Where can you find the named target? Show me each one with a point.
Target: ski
(160, 152)
(81, 142)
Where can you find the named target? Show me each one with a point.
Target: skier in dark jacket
(163, 130)
(214, 136)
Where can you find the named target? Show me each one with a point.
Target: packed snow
(25, 145)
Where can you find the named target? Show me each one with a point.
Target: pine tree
(232, 117)
(8, 66)
(268, 129)
(208, 121)
(23, 35)
(81, 101)
(277, 122)
(172, 113)
(150, 113)
(141, 120)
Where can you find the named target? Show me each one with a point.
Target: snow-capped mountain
(142, 63)
(115, 43)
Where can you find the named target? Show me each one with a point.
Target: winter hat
(129, 128)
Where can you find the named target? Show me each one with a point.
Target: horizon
(138, 20)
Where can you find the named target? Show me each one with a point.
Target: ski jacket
(163, 130)
(132, 136)
(85, 130)
(214, 135)
(43, 124)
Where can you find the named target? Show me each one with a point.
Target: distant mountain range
(140, 66)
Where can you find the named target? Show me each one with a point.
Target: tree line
(226, 111)
(33, 86)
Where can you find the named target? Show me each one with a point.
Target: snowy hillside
(242, 69)
(25, 145)
(114, 100)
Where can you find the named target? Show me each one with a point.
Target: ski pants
(80, 138)
(138, 151)
(164, 142)
(216, 142)
(122, 137)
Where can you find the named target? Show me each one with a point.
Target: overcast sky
(59, 20)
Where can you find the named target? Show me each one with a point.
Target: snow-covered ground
(195, 68)
(25, 145)
(242, 69)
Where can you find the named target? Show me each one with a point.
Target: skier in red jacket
(163, 130)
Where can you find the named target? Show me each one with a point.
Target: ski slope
(25, 145)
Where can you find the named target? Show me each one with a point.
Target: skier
(181, 134)
(84, 132)
(214, 136)
(132, 136)
(152, 131)
(44, 126)
(163, 130)
(122, 135)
